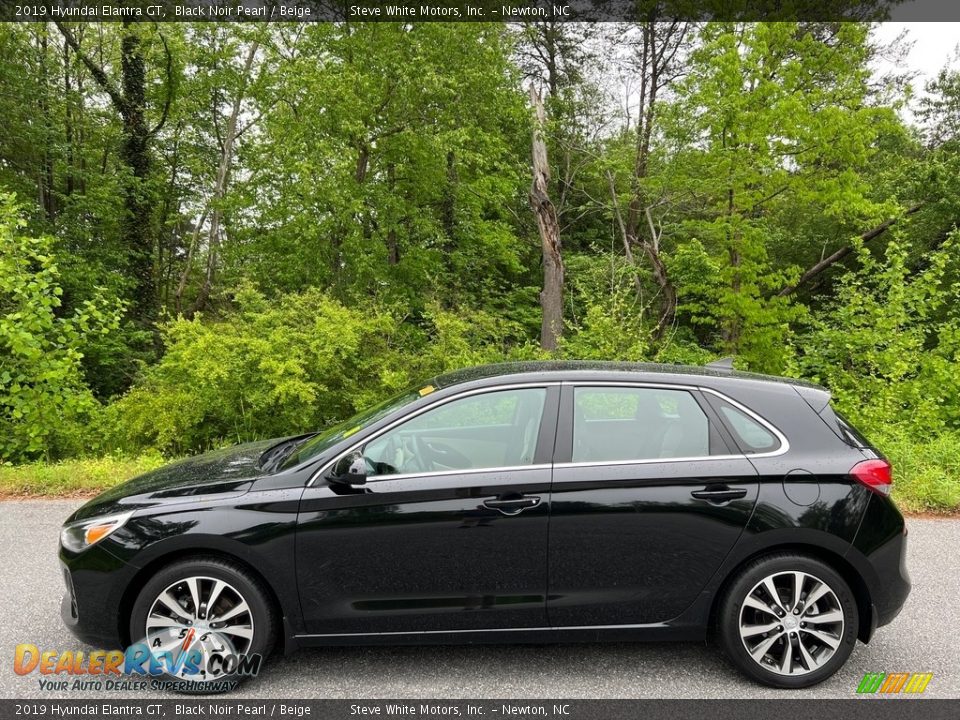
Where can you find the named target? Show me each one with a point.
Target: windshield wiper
(274, 455)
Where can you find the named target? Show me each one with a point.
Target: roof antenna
(723, 364)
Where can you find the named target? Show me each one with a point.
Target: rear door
(648, 498)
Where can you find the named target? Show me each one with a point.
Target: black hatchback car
(532, 502)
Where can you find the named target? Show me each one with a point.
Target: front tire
(788, 621)
(204, 607)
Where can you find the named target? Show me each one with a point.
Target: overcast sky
(934, 45)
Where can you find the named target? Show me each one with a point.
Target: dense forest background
(215, 233)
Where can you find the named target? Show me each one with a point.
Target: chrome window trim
(432, 406)
(784, 443)
(469, 471)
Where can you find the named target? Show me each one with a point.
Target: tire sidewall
(728, 619)
(263, 636)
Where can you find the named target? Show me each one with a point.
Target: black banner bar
(237, 709)
(473, 10)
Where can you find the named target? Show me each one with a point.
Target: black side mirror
(349, 470)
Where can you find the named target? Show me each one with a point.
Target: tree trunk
(551, 297)
(840, 254)
(220, 186)
(135, 152)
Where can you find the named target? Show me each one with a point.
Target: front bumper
(92, 606)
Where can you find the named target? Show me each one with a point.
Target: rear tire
(796, 639)
(223, 604)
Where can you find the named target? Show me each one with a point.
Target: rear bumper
(880, 552)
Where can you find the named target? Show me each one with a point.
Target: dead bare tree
(551, 296)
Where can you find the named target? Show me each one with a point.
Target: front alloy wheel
(788, 621)
(209, 613)
(203, 615)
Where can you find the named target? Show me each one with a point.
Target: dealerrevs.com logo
(199, 662)
(888, 684)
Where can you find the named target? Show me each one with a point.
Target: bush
(44, 400)
(293, 365)
(888, 346)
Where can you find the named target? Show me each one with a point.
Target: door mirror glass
(349, 470)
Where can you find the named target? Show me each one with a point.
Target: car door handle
(512, 505)
(719, 493)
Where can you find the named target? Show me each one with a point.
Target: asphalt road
(922, 639)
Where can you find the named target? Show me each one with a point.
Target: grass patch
(73, 477)
(926, 475)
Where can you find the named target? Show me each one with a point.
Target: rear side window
(624, 423)
(749, 433)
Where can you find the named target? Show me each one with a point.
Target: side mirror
(349, 470)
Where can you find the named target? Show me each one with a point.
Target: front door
(450, 531)
(647, 501)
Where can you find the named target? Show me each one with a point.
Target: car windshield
(334, 434)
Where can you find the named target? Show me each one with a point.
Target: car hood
(227, 471)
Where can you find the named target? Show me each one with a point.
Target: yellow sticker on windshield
(426, 390)
(351, 431)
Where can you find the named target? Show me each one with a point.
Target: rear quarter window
(749, 433)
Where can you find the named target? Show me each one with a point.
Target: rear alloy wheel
(788, 621)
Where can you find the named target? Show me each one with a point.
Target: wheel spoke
(828, 640)
(747, 631)
(818, 592)
(218, 587)
(808, 659)
(244, 632)
(194, 594)
(170, 602)
(786, 662)
(798, 578)
(757, 604)
(772, 591)
(831, 616)
(158, 621)
(761, 649)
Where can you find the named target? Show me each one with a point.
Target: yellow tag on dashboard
(426, 390)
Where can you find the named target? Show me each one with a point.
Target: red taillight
(875, 474)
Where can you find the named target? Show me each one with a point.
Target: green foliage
(277, 368)
(43, 397)
(888, 344)
(376, 198)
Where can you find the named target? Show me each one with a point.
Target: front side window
(492, 430)
(624, 423)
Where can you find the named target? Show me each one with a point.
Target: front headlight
(82, 534)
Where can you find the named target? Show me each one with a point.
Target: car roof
(597, 369)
